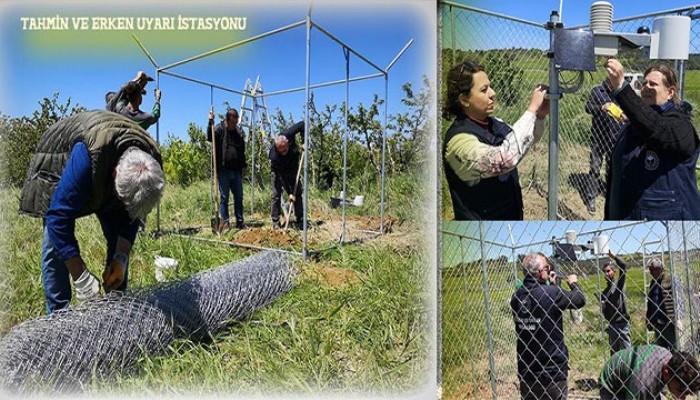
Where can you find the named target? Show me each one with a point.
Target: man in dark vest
(661, 311)
(95, 162)
(230, 163)
(543, 359)
(284, 161)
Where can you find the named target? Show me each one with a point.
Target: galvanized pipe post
(553, 95)
(487, 301)
(305, 195)
(346, 52)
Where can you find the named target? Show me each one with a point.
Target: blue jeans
(619, 337)
(54, 273)
(231, 180)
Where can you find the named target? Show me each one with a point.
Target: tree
(20, 136)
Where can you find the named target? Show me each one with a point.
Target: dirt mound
(268, 237)
(336, 277)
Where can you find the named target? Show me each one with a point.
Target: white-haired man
(543, 359)
(664, 291)
(284, 163)
(94, 162)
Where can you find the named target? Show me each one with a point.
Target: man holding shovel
(285, 161)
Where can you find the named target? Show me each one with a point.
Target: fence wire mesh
(99, 340)
(482, 267)
(514, 54)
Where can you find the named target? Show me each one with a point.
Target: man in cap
(94, 162)
(661, 308)
(642, 372)
(543, 359)
(123, 99)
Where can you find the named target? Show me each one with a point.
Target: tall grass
(366, 331)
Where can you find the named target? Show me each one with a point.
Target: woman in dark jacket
(656, 155)
(480, 153)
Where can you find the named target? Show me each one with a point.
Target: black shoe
(276, 225)
(590, 206)
(240, 225)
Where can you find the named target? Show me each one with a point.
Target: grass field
(356, 320)
(465, 344)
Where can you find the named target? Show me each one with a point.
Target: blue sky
(85, 64)
(574, 12)
(624, 237)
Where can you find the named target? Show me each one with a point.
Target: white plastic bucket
(164, 264)
(601, 244)
(570, 237)
(358, 201)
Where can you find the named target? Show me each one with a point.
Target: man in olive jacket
(95, 162)
(664, 292)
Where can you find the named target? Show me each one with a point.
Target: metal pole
(644, 274)
(489, 333)
(553, 96)
(601, 319)
(384, 124)
(157, 142)
(306, 135)
(346, 52)
(253, 138)
(212, 187)
(681, 78)
(687, 279)
(673, 287)
(452, 31)
(467, 307)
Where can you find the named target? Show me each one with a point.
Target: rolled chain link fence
(481, 269)
(68, 350)
(514, 54)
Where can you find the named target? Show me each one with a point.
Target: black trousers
(544, 390)
(286, 181)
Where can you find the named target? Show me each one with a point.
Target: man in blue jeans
(230, 165)
(95, 162)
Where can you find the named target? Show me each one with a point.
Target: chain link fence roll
(98, 340)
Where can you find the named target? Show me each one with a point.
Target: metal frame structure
(473, 247)
(308, 23)
(555, 88)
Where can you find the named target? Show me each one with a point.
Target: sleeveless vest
(496, 198)
(105, 134)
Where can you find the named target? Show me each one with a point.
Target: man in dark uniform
(543, 359)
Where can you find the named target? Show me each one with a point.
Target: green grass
(465, 345)
(366, 333)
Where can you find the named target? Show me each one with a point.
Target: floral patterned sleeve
(473, 161)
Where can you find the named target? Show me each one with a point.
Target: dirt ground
(321, 233)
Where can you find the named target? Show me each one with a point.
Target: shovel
(215, 219)
(296, 184)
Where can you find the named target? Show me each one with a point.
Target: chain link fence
(482, 267)
(514, 54)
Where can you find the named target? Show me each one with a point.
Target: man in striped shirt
(642, 372)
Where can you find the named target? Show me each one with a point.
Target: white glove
(87, 287)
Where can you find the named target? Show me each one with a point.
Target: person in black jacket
(284, 162)
(652, 170)
(543, 359)
(614, 305)
(230, 164)
(481, 153)
(604, 130)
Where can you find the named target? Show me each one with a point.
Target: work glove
(87, 287)
(114, 273)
